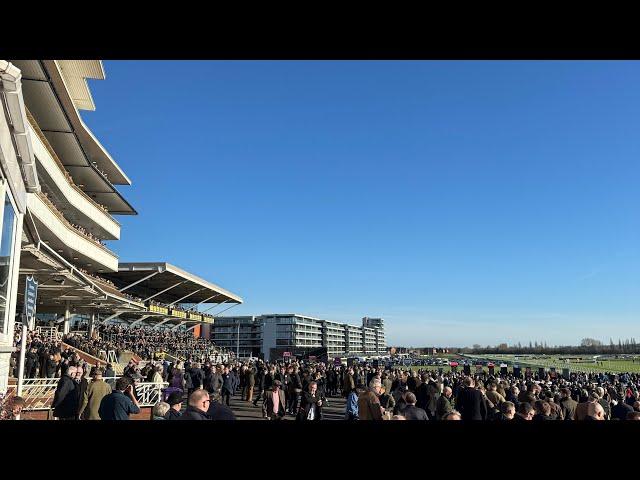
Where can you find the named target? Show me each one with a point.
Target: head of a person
(122, 383)
(410, 398)
(452, 415)
(447, 392)
(313, 388)
(376, 385)
(595, 411)
(636, 406)
(468, 382)
(542, 408)
(16, 405)
(160, 409)
(277, 385)
(526, 411)
(71, 371)
(199, 399)
(508, 409)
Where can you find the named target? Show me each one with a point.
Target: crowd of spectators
(146, 342)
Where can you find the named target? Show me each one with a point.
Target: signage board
(30, 299)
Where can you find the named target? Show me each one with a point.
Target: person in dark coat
(83, 387)
(198, 406)
(567, 404)
(310, 404)
(620, 410)
(219, 411)
(410, 411)
(175, 404)
(197, 376)
(65, 400)
(443, 404)
(228, 386)
(470, 402)
(31, 363)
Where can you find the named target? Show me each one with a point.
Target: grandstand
(63, 187)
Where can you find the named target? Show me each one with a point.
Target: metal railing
(38, 393)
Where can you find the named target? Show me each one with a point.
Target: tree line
(587, 346)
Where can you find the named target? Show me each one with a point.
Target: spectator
(159, 411)
(120, 403)
(65, 401)
(311, 404)
(470, 402)
(219, 411)
(175, 405)
(273, 407)
(97, 390)
(198, 405)
(444, 405)
(411, 412)
(525, 412)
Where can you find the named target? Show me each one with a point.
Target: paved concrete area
(246, 411)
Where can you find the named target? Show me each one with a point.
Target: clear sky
(464, 202)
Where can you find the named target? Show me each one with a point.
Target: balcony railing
(75, 228)
(64, 171)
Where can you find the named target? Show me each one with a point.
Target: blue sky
(465, 202)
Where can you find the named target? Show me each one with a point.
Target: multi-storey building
(271, 335)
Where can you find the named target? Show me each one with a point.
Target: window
(6, 249)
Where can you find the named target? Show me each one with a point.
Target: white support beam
(138, 281)
(186, 296)
(163, 291)
(207, 299)
(163, 321)
(111, 317)
(178, 325)
(214, 306)
(231, 306)
(139, 320)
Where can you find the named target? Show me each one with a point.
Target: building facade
(268, 336)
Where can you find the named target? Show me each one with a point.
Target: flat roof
(166, 283)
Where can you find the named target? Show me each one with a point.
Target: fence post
(23, 345)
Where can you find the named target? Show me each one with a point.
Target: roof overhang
(168, 284)
(49, 99)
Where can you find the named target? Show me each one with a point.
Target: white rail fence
(38, 393)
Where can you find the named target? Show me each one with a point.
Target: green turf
(613, 365)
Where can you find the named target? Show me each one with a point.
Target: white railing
(112, 357)
(48, 333)
(38, 393)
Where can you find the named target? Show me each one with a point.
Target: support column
(92, 323)
(67, 316)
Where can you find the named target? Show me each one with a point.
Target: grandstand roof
(166, 283)
(53, 92)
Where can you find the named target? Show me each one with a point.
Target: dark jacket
(228, 383)
(65, 400)
(443, 406)
(568, 406)
(197, 377)
(470, 403)
(117, 406)
(193, 413)
(411, 412)
(219, 411)
(172, 415)
(306, 402)
(213, 382)
(620, 411)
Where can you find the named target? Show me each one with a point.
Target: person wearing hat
(96, 391)
(274, 404)
(175, 405)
